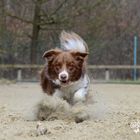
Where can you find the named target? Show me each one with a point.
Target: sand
(115, 109)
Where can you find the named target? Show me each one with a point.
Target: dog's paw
(43, 113)
(45, 109)
(80, 112)
(52, 108)
(82, 116)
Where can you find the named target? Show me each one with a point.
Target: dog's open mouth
(64, 82)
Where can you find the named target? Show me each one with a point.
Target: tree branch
(59, 7)
(19, 18)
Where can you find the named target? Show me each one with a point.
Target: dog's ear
(79, 56)
(49, 55)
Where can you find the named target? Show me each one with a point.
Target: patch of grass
(123, 82)
(6, 81)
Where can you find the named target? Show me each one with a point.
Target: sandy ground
(116, 108)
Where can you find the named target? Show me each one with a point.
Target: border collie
(64, 74)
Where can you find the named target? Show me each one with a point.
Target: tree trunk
(35, 32)
(2, 20)
(2, 29)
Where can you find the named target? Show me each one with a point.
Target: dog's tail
(72, 41)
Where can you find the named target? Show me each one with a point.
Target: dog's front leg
(58, 93)
(79, 108)
(80, 95)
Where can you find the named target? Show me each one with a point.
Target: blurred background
(111, 29)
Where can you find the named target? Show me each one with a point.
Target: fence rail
(27, 66)
(20, 66)
(106, 68)
(113, 66)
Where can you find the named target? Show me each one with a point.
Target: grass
(116, 81)
(6, 81)
(123, 82)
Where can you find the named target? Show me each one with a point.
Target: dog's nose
(63, 76)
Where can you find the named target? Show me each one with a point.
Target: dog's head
(64, 67)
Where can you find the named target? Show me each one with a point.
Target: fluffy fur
(64, 74)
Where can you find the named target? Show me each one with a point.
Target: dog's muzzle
(63, 76)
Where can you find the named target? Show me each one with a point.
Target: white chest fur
(75, 92)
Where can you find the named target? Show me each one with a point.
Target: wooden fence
(106, 68)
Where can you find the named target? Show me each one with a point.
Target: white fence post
(107, 75)
(19, 75)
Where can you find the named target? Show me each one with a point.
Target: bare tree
(35, 31)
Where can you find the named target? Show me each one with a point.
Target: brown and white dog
(64, 74)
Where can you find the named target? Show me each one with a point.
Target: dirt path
(116, 108)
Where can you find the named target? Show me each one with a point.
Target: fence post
(19, 75)
(107, 75)
(135, 57)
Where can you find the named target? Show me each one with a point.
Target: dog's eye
(71, 68)
(57, 67)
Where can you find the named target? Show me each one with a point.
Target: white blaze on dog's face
(64, 67)
(63, 76)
